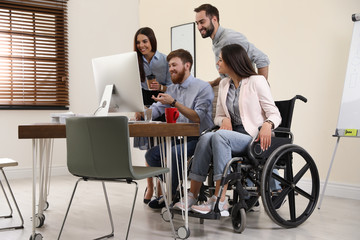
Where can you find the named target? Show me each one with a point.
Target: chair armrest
(280, 137)
(283, 132)
(281, 129)
(256, 154)
(213, 129)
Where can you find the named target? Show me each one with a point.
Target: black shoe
(256, 207)
(157, 203)
(273, 198)
(146, 201)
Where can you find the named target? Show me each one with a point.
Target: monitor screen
(117, 78)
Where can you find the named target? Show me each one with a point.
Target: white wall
(308, 45)
(307, 42)
(96, 28)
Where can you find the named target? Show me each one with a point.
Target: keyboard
(141, 121)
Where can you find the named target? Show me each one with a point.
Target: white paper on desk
(60, 117)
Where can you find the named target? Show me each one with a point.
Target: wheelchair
(289, 164)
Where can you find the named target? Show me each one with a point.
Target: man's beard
(209, 30)
(179, 77)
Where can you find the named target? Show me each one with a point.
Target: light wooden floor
(338, 218)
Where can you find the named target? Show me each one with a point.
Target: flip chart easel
(349, 116)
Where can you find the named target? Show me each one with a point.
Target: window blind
(33, 54)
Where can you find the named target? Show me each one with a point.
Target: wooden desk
(55, 130)
(42, 135)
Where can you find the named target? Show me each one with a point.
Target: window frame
(34, 69)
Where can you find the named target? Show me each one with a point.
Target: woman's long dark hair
(151, 35)
(237, 59)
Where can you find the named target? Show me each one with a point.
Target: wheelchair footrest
(211, 215)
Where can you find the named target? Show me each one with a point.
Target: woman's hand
(226, 124)
(138, 116)
(265, 136)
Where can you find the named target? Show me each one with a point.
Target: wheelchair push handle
(302, 98)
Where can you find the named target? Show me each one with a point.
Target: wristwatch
(173, 103)
(271, 123)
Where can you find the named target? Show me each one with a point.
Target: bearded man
(193, 98)
(208, 23)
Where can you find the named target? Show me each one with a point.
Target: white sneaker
(181, 204)
(210, 205)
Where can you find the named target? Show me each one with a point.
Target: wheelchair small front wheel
(291, 167)
(238, 217)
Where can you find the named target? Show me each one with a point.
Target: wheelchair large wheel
(297, 173)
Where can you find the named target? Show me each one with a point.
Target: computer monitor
(117, 82)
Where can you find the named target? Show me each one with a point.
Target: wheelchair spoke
(289, 171)
(291, 196)
(281, 196)
(301, 173)
(303, 193)
(292, 206)
(282, 181)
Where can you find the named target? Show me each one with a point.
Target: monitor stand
(103, 108)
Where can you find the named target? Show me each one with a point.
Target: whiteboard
(349, 115)
(183, 36)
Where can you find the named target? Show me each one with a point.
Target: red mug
(171, 114)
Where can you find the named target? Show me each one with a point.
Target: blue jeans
(152, 157)
(218, 147)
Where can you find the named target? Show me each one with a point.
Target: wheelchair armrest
(281, 129)
(283, 132)
(213, 129)
(255, 152)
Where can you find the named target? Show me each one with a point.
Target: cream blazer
(255, 101)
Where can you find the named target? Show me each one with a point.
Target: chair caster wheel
(165, 215)
(39, 220)
(183, 233)
(37, 236)
(46, 205)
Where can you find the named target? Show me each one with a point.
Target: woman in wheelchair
(244, 105)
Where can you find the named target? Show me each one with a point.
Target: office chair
(98, 149)
(6, 162)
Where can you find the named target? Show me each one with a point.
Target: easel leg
(328, 174)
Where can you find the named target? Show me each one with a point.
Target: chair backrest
(282, 136)
(98, 147)
(286, 108)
